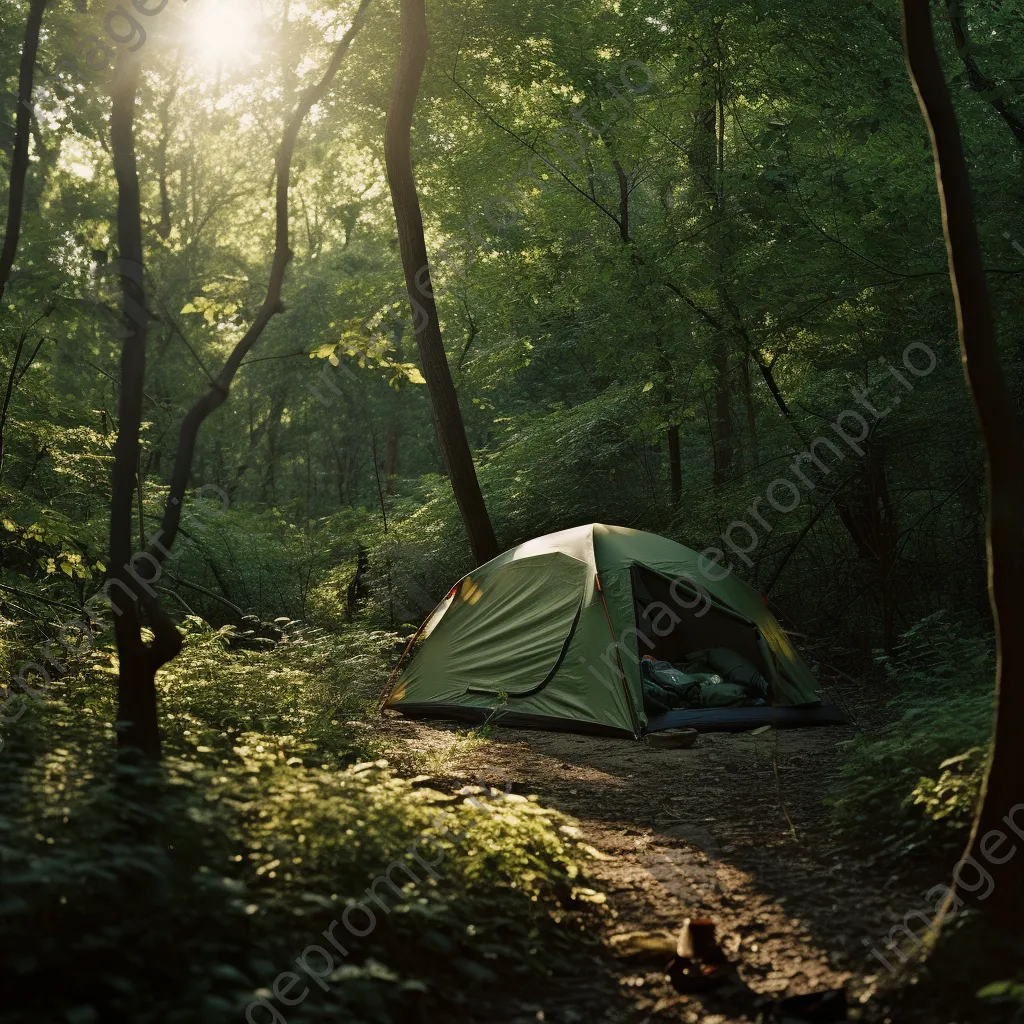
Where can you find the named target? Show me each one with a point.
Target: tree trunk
(391, 456)
(268, 425)
(1003, 788)
(139, 662)
(136, 691)
(623, 180)
(22, 130)
(704, 162)
(393, 440)
(748, 402)
(451, 431)
(8, 392)
(723, 434)
(163, 225)
(675, 468)
(865, 510)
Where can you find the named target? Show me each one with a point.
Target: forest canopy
(310, 307)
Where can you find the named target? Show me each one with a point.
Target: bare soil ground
(733, 829)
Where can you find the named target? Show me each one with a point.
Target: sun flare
(225, 31)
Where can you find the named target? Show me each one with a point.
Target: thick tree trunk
(451, 431)
(1003, 789)
(22, 130)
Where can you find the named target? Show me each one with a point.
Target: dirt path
(732, 829)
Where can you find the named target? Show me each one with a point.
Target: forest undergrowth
(186, 892)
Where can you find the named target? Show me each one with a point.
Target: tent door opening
(673, 621)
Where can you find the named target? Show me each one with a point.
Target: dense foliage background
(674, 242)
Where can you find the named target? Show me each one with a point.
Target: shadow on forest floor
(734, 829)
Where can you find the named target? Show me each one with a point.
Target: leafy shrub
(913, 785)
(180, 893)
(954, 794)
(1006, 993)
(267, 563)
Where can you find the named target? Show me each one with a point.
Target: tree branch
(272, 304)
(979, 81)
(533, 149)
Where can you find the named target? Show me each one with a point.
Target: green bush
(129, 893)
(913, 786)
(267, 563)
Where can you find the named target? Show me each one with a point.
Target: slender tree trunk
(773, 387)
(748, 402)
(267, 426)
(377, 480)
(623, 180)
(394, 433)
(451, 430)
(163, 225)
(866, 511)
(136, 689)
(724, 441)
(675, 468)
(22, 130)
(14, 377)
(132, 592)
(268, 482)
(8, 392)
(704, 161)
(1003, 789)
(391, 456)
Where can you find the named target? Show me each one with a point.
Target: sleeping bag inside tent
(610, 630)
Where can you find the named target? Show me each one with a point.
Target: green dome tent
(550, 635)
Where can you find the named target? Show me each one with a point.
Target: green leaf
(477, 972)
